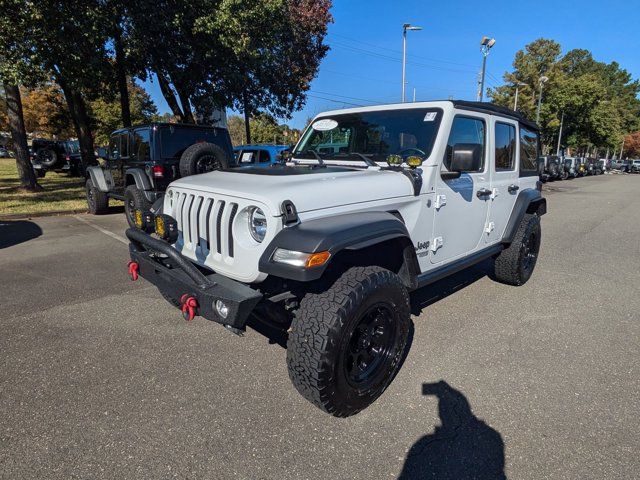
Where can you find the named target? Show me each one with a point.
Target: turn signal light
(158, 171)
(317, 259)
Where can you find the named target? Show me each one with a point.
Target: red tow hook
(133, 270)
(188, 308)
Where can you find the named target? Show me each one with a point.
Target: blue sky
(364, 64)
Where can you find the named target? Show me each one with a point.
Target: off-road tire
(202, 158)
(134, 199)
(511, 265)
(47, 157)
(97, 201)
(324, 330)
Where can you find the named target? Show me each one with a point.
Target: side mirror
(466, 157)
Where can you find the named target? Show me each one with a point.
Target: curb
(55, 213)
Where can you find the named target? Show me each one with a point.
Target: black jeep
(141, 162)
(59, 155)
(549, 168)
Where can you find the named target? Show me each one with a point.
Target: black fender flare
(142, 182)
(529, 201)
(351, 231)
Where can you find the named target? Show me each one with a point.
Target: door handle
(513, 188)
(483, 192)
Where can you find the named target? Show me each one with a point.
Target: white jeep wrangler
(374, 202)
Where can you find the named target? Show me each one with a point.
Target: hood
(308, 189)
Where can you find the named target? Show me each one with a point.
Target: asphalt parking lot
(101, 378)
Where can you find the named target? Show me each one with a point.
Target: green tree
(107, 112)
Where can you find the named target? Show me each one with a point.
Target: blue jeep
(259, 155)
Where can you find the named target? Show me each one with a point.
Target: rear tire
(97, 201)
(134, 199)
(347, 342)
(515, 263)
(203, 158)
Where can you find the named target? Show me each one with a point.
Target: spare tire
(47, 157)
(203, 158)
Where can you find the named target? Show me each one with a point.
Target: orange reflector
(317, 259)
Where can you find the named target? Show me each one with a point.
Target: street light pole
(485, 45)
(560, 134)
(405, 27)
(542, 81)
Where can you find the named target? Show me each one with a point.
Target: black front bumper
(174, 275)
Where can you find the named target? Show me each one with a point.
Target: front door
(118, 155)
(461, 204)
(504, 177)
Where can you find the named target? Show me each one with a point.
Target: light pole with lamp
(542, 81)
(515, 103)
(485, 45)
(405, 27)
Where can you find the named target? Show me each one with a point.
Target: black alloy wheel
(370, 346)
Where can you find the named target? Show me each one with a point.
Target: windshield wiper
(364, 158)
(318, 157)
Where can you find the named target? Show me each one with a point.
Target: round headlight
(257, 224)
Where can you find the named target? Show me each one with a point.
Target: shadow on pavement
(463, 447)
(273, 325)
(440, 290)
(19, 231)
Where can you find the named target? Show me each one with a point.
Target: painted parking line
(115, 236)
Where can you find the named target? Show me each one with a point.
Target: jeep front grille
(205, 224)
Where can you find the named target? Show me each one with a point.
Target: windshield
(175, 140)
(377, 135)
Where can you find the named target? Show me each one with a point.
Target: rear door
(504, 176)
(461, 204)
(118, 157)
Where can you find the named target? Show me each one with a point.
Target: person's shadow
(464, 447)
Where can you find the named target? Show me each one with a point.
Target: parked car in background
(4, 153)
(549, 168)
(571, 167)
(635, 166)
(260, 155)
(590, 164)
(141, 161)
(59, 155)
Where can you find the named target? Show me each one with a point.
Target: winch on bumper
(178, 278)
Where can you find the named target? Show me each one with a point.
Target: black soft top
(491, 108)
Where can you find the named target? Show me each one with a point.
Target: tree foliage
(264, 128)
(599, 100)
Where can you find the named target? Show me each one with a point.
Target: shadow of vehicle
(463, 447)
(19, 231)
(274, 325)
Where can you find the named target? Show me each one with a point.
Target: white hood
(309, 191)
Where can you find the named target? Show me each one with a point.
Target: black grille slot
(219, 228)
(234, 209)
(209, 224)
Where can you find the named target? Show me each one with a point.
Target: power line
(399, 52)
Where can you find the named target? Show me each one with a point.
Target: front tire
(134, 199)
(347, 342)
(97, 201)
(515, 263)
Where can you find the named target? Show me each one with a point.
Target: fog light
(143, 220)
(166, 228)
(222, 309)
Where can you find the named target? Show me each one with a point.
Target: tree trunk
(19, 136)
(168, 95)
(121, 74)
(186, 106)
(247, 115)
(80, 118)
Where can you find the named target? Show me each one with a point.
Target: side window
(505, 146)
(114, 147)
(528, 150)
(141, 145)
(264, 157)
(469, 132)
(124, 145)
